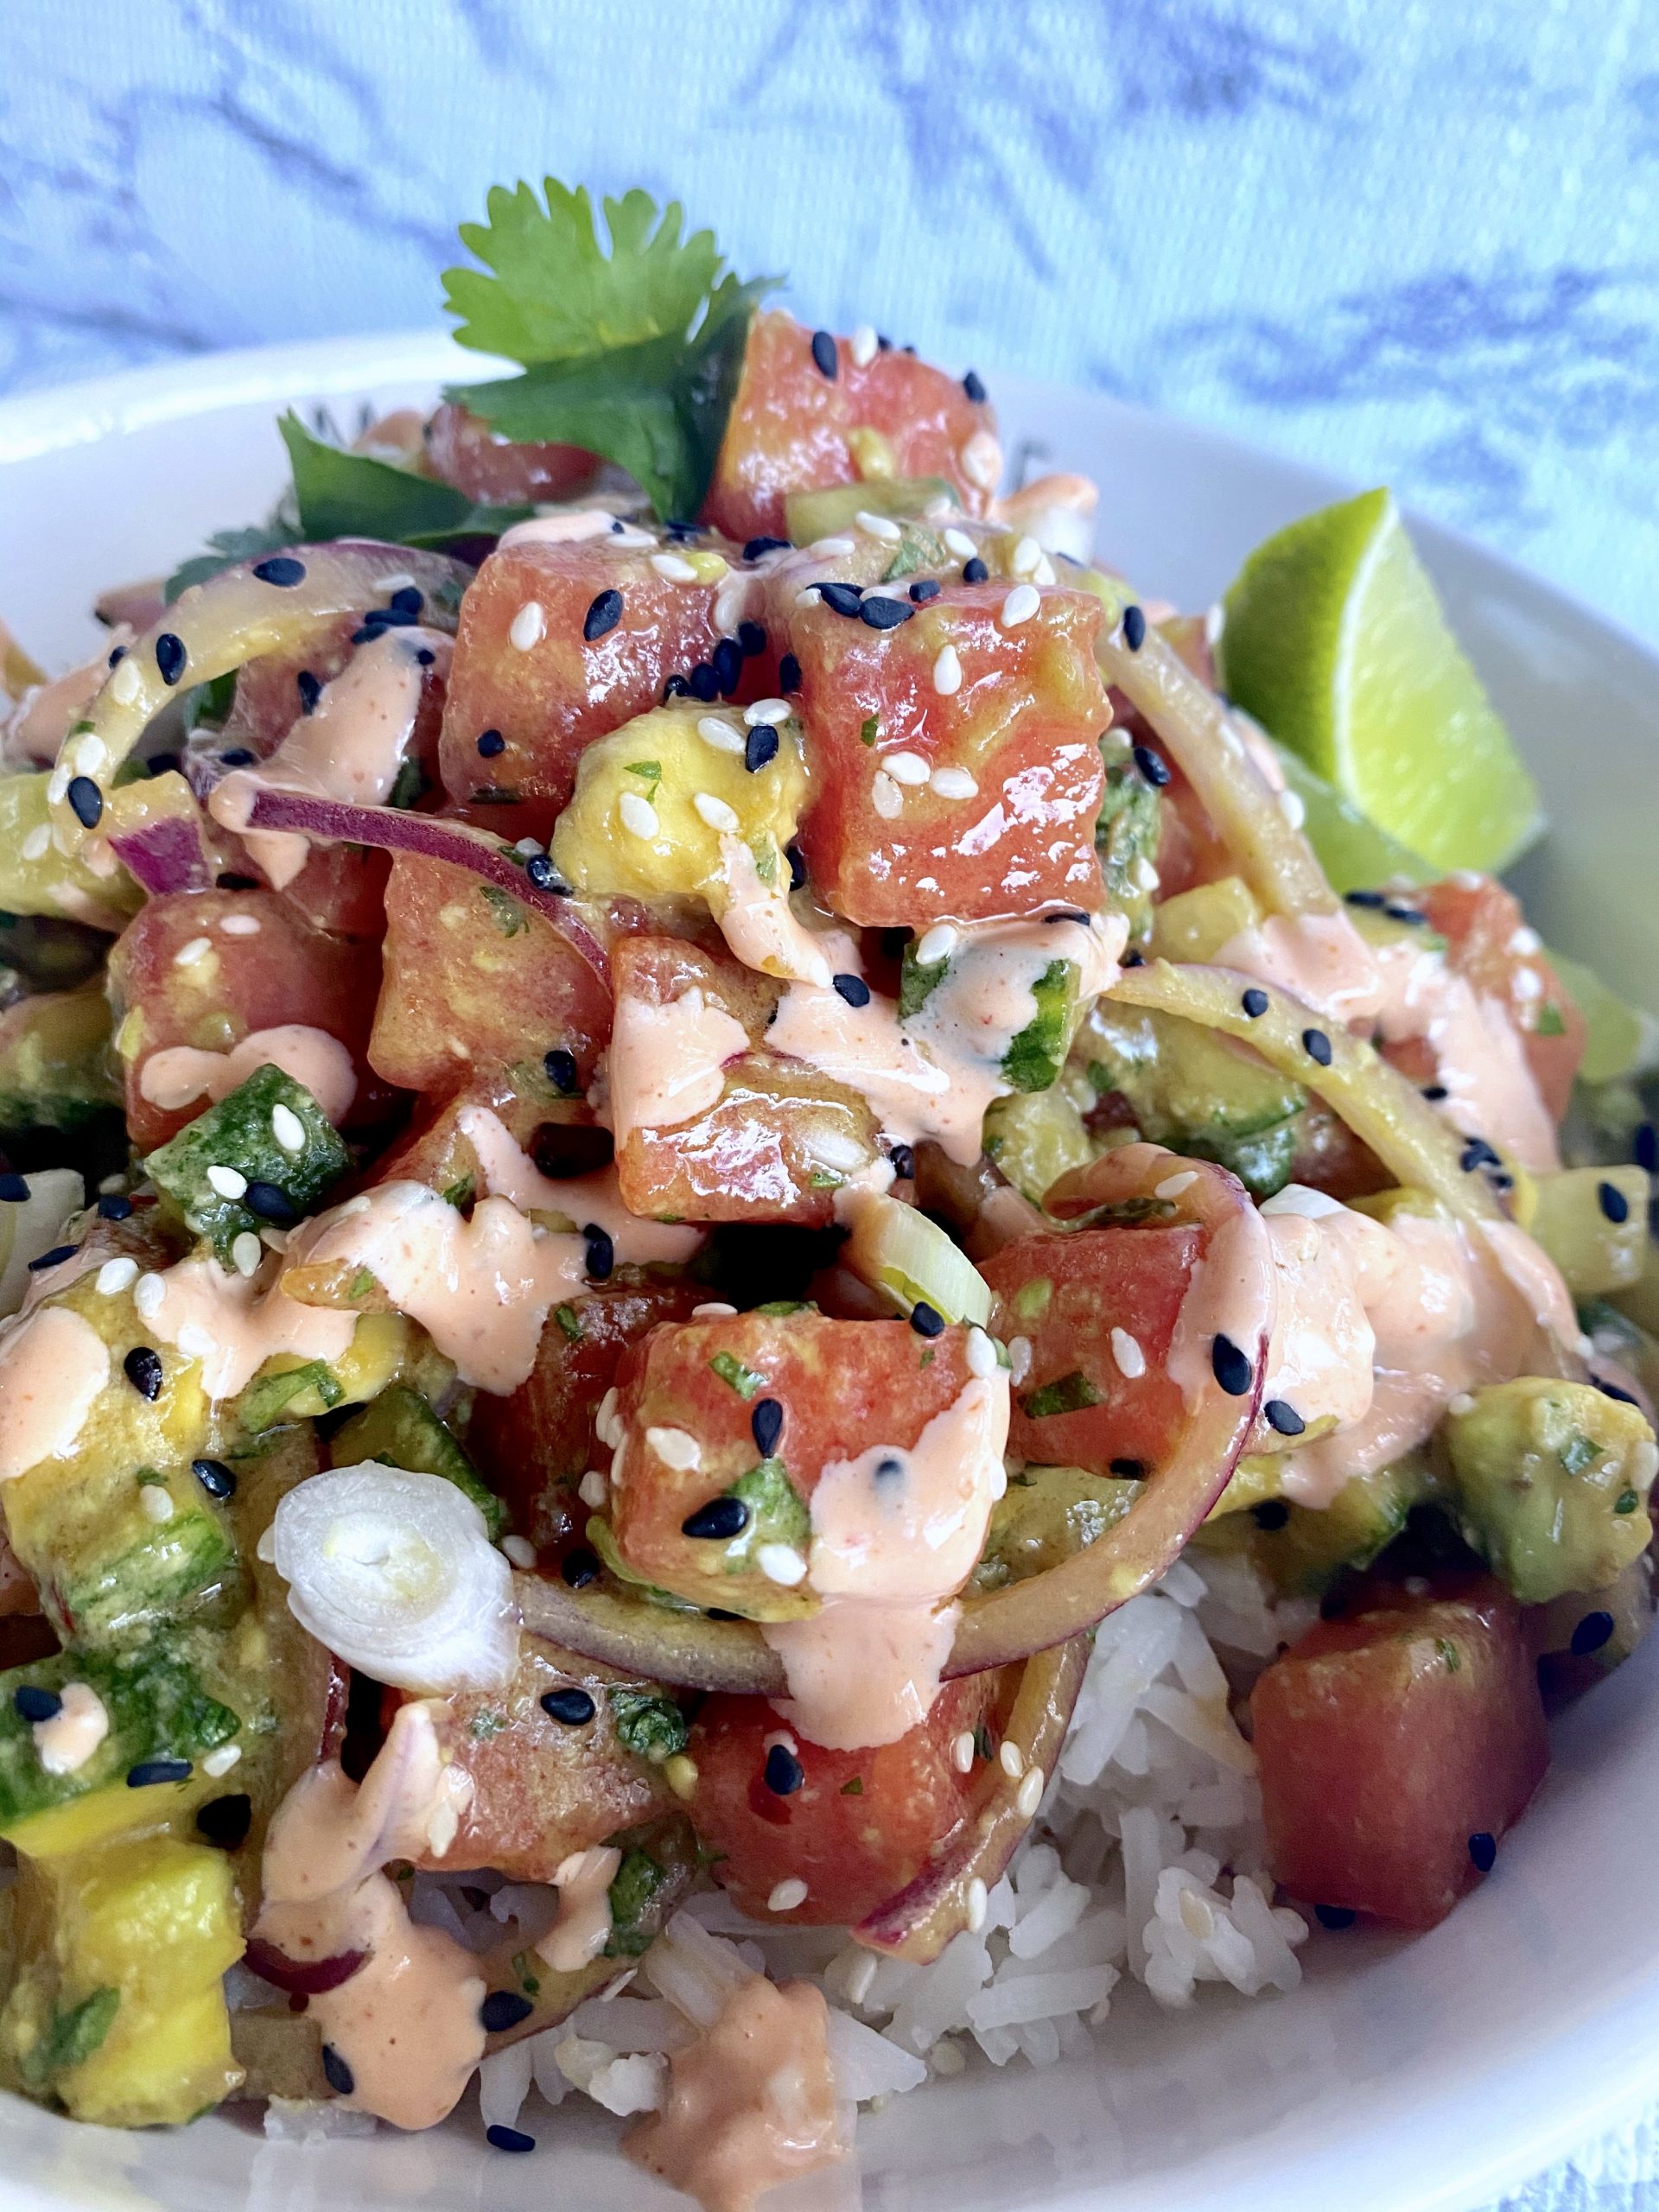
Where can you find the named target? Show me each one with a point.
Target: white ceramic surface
(1401, 2076)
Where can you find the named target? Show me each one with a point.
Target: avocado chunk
(1551, 1481)
(1302, 1550)
(824, 513)
(134, 1567)
(400, 1429)
(1036, 1136)
(1044, 1515)
(240, 1134)
(56, 1068)
(1594, 1224)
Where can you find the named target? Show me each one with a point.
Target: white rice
(1146, 1862)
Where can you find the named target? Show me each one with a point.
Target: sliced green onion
(898, 1251)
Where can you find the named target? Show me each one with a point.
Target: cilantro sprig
(633, 352)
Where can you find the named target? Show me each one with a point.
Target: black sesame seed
(425, 657)
(571, 1708)
(1405, 914)
(143, 1369)
(824, 356)
(1371, 899)
(841, 598)
(1612, 1390)
(1068, 914)
(1647, 1148)
(1611, 1201)
(239, 756)
(214, 1477)
(760, 747)
(883, 345)
(676, 688)
(86, 801)
(789, 673)
(1434, 1092)
(13, 1190)
(601, 1252)
(751, 640)
(117, 654)
(281, 568)
(903, 1164)
(490, 743)
(883, 613)
(1152, 765)
(784, 1773)
(265, 1202)
(853, 988)
(924, 588)
(1317, 1045)
(1134, 628)
(503, 2009)
(500, 2137)
(727, 661)
(407, 600)
(973, 388)
(889, 1470)
(1231, 1367)
(974, 571)
(1284, 1417)
(113, 1207)
(162, 764)
(1272, 1514)
(797, 866)
(925, 1320)
(1477, 1154)
(704, 683)
(766, 1426)
(170, 657)
(717, 1521)
(311, 690)
(602, 616)
(225, 1821)
(756, 546)
(1482, 1850)
(52, 1259)
(1130, 1471)
(149, 1772)
(1255, 1003)
(1132, 958)
(36, 1704)
(579, 1568)
(1335, 1916)
(540, 871)
(560, 1068)
(1591, 1632)
(338, 2074)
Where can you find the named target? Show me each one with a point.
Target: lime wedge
(1354, 853)
(1335, 640)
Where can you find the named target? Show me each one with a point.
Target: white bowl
(1432, 2073)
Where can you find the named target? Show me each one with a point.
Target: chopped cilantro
(1069, 1393)
(507, 914)
(640, 1882)
(407, 786)
(1550, 1022)
(1578, 1452)
(649, 772)
(569, 1321)
(359, 1286)
(71, 2038)
(854, 1787)
(1449, 1652)
(647, 1724)
(730, 1368)
(1626, 1502)
(460, 1193)
(870, 729)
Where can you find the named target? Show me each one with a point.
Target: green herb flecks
(1069, 1393)
(742, 1379)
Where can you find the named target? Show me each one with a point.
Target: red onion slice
(302, 1977)
(164, 855)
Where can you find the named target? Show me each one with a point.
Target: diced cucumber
(1038, 1052)
(639, 1882)
(401, 1430)
(268, 1398)
(56, 1069)
(648, 1722)
(811, 515)
(239, 1135)
(1302, 1550)
(1195, 925)
(1126, 835)
(1046, 1514)
(1037, 1137)
(132, 1571)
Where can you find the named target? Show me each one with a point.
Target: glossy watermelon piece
(476, 982)
(793, 429)
(284, 971)
(858, 1825)
(498, 472)
(1076, 1403)
(779, 1141)
(1024, 726)
(549, 696)
(535, 1444)
(1396, 1744)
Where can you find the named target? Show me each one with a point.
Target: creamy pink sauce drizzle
(35, 729)
(407, 2022)
(568, 529)
(667, 1063)
(1231, 1294)
(509, 1173)
(52, 1365)
(68, 1740)
(1320, 958)
(349, 747)
(751, 2103)
(180, 1074)
(583, 1927)
(762, 928)
(888, 1552)
(233, 1324)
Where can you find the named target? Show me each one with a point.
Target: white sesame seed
(1527, 983)
(638, 814)
(158, 1506)
(1126, 1350)
(982, 1354)
(1525, 941)
(528, 846)
(1467, 878)
(229, 1182)
(37, 844)
(57, 784)
(240, 926)
(197, 949)
(961, 544)
(1146, 875)
(1011, 1759)
(981, 461)
(808, 597)
(88, 755)
(730, 601)
(906, 768)
(1026, 557)
(770, 712)
(1172, 1185)
(246, 1252)
(221, 1761)
(714, 812)
(350, 1206)
(787, 1895)
(937, 944)
(1214, 620)
(126, 684)
(962, 1751)
(779, 1740)
(947, 672)
(1291, 807)
(674, 567)
(830, 549)
(288, 1129)
(947, 2058)
(1019, 1358)
(149, 1296)
(1031, 1794)
(953, 783)
(592, 1488)
(863, 346)
(528, 625)
(781, 1563)
(675, 1448)
(606, 1427)
(885, 796)
(519, 1550)
(114, 1276)
(713, 1309)
(979, 1904)
(874, 526)
(1021, 603)
(1463, 1403)
(722, 736)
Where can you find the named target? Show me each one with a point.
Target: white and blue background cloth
(1414, 241)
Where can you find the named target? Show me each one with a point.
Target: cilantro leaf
(229, 546)
(341, 494)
